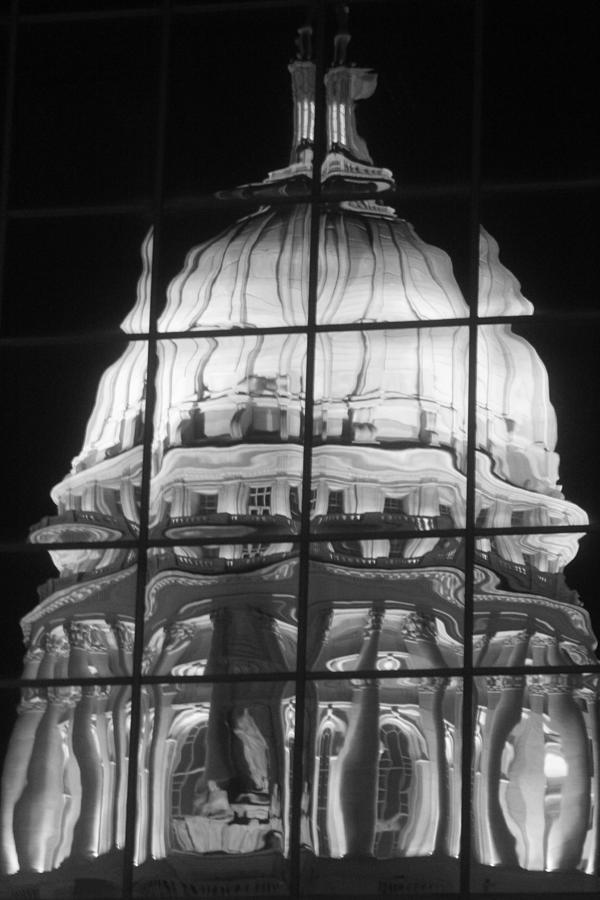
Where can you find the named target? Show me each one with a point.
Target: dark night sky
(85, 134)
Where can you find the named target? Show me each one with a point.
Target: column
(431, 695)
(124, 631)
(566, 838)
(419, 633)
(319, 626)
(38, 815)
(16, 763)
(454, 706)
(88, 653)
(503, 713)
(359, 758)
(525, 793)
(159, 771)
(88, 748)
(56, 655)
(178, 636)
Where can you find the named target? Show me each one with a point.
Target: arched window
(395, 774)
(188, 770)
(323, 776)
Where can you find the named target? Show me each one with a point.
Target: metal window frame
(157, 209)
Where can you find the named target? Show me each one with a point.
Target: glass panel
(537, 123)
(42, 6)
(214, 810)
(104, 78)
(535, 787)
(383, 764)
(397, 121)
(390, 429)
(537, 254)
(526, 612)
(386, 604)
(86, 275)
(82, 624)
(227, 432)
(64, 790)
(379, 265)
(240, 133)
(581, 575)
(239, 268)
(221, 609)
(48, 394)
(4, 44)
(517, 466)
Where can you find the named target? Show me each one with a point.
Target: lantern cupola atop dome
(347, 159)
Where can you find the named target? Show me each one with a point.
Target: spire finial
(304, 41)
(342, 36)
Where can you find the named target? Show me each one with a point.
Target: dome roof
(371, 386)
(255, 274)
(379, 386)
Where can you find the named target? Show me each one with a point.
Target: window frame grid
(159, 208)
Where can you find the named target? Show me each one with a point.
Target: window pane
(383, 773)
(71, 275)
(64, 790)
(228, 427)
(390, 428)
(537, 254)
(4, 44)
(103, 77)
(535, 780)
(221, 609)
(48, 398)
(377, 264)
(537, 123)
(241, 268)
(240, 132)
(71, 613)
(526, 611)
(41, 6)
(386, 604)
(215, 809)
(522, 422)
(398, 40)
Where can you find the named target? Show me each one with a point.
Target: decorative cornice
(71, 596)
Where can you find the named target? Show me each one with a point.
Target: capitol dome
(376, 386)
(372, 268)
(404, 385)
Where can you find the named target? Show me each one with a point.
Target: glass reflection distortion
(382, 760)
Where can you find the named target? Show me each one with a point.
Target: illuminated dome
(385, 386)
(371, 269)
(378, 386)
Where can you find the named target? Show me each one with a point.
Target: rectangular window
(294, 502)
(335, 502)
(211, 552)
(397, 546)
(259, 501)
(252, 551)
(445, 511)
(207, 504)
(482, 517)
